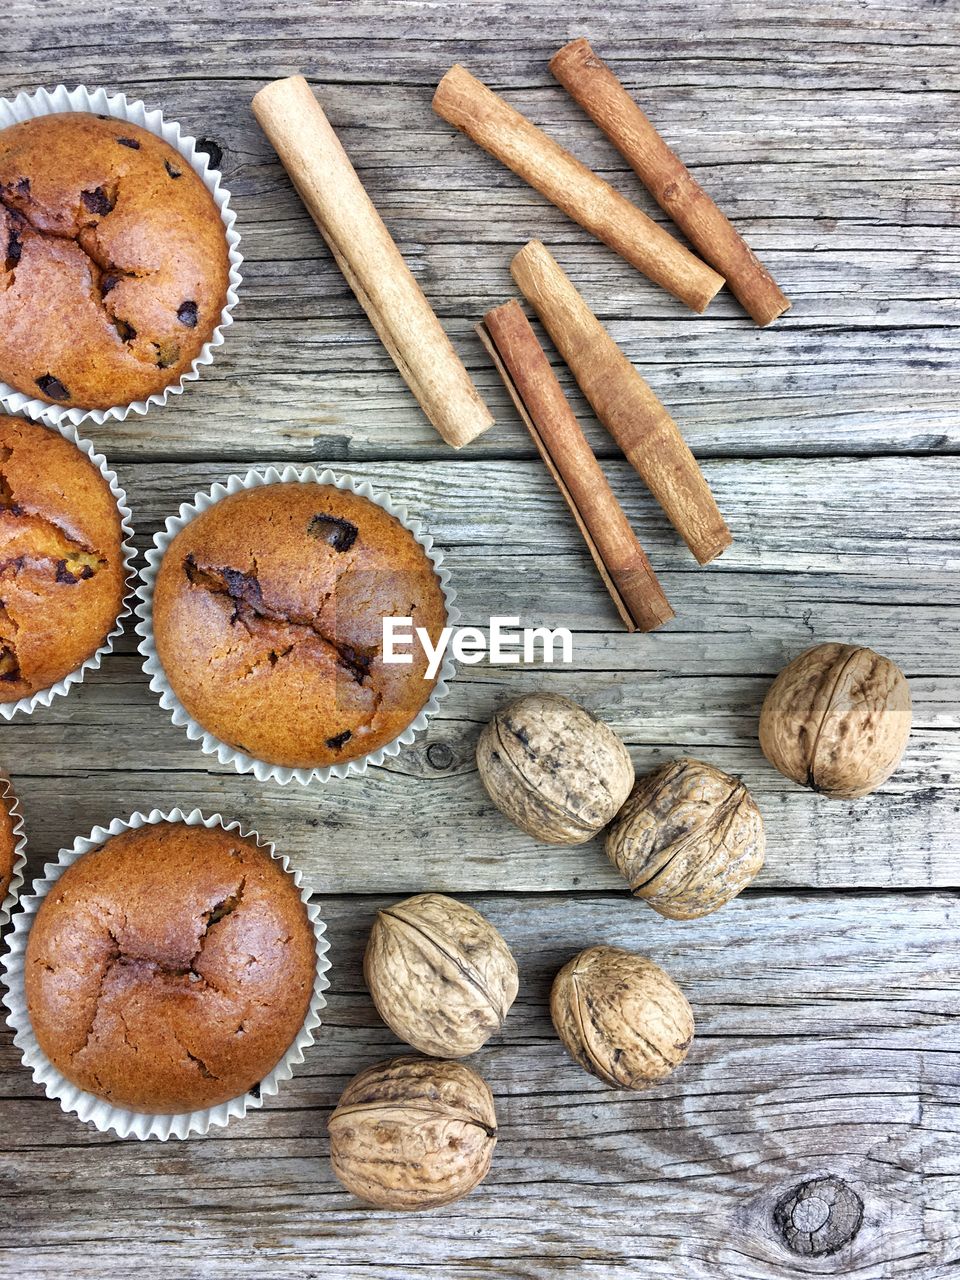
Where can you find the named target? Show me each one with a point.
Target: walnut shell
(554, 769)
(621, 1017)
(689, 838)
(440, 974)
(837, 719)
(413, 1133)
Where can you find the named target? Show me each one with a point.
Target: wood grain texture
(807, 566)
(819, 1050)
(825, 996)
(836, 158)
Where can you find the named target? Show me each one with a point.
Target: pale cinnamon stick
(597, 508)
(590, 81)
(321, 171)
(623, 402)
(493, 124)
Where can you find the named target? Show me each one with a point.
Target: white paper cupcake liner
(158, 679)
(12, 805)
(43, 697)
(94, 1110)
(25, 106)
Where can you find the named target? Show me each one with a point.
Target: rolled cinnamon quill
(548, 416)
(623, 402)
(589, 80)
(493, 124)
(321, 171)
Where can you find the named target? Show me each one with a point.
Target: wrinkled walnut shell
(689, 838)
(413, 1133)
(440, 974)
(621, 1017)
(554, 769)
(837, 720)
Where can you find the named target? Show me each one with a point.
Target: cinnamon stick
(531, 379)
(493, 124)
(623, 402)
(589, 80)
(321, 171)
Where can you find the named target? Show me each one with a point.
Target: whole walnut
(837, 719)
(413, 1133)
(554, 769)
(621, 1017)
(440, 974)
(689, 838)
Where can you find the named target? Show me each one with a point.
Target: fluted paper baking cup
(43, 697)
(44, 102)
(94, 1110)
(159, 683)
(12, 805)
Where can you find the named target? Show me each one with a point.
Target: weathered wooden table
(826, 997)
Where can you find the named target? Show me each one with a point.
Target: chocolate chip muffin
(170, 969)
(8, 840)
(62, 573)
(268, 616)
(114, 261)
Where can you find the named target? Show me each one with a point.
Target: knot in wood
(819, 1216)
(439, 755)
(212, 150)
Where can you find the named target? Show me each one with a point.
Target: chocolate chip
(14, 242)
(212, 150)
(254, 1091)
(97, 201)
(174, 173)
(336, 743)
(334, 531)
(132, 143)
(126, 331)
(187, 314)
(357, 663)
(107, 283)
(168, 353)
(242, 586)
(23, 186)
(53, 387)
(65, 575)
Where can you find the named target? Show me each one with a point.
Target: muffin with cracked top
(268, 613)
(170, 969)
(113, 261)
(62, 571)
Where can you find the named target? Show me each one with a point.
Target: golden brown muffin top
(61, 558)
(113, 261)
(268, 620)
(170, 969)
(8, 841)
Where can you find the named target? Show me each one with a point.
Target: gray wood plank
(820, 1050)
(807, 566)
(827, 1032)
(850, 196)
